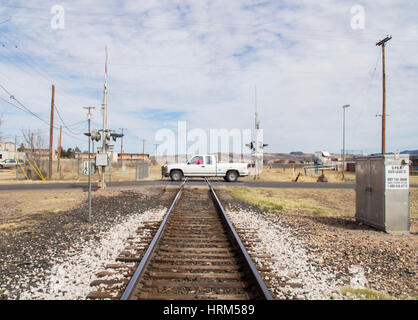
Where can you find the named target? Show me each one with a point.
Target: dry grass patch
(413, 203)
(369, 294)
(329, 202)
(286, 175)
(317, 202)
(16, 223)
(18, 206)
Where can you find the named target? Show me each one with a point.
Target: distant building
(7, 146)
(133, 156)
(8, 151)
(116, 157)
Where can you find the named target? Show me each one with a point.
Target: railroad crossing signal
(95, 135)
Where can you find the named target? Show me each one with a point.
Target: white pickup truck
(205, 166)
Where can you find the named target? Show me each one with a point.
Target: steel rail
(144, 261)
(261, 286)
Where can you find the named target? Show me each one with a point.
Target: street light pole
(344, 107)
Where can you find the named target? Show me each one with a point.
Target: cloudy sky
(199, 61)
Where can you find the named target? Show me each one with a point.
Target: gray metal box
(142, 170)
(382, 192)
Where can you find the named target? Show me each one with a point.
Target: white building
(7, 146)
(8, 151)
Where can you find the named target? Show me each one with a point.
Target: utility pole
(382, 44)
(344, 107)
(89, 136)
(143, 149)
(121, 150)
(121, 142)
(59, 150)
(16, 154)
(51, 133)
(104, 133)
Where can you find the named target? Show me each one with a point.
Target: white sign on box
(101, 159)
(397, 177)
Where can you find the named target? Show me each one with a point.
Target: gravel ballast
(58, 257)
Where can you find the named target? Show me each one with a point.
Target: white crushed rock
(358, 280)
(70, 278)
(291, 262)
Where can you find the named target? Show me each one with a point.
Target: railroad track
(196, 254)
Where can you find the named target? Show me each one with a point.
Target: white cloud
(184, 56)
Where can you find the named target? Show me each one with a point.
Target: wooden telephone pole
(59, 150)
(121, 143)
(382, 44)
(51, 133)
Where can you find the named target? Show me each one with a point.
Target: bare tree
(36, 152)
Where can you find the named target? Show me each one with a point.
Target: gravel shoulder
(39, 258)
(326, 254)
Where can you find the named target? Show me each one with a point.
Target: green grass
(370, 294)
(364, 294)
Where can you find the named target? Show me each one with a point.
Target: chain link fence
(77, 169)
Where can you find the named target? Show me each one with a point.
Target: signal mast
(257, 144)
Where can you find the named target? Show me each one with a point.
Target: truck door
(209, 167)
(195, 166)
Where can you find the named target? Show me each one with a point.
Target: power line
(34, 65)
(322, 35)
(11, 96)
(27, 110)
(65, 125)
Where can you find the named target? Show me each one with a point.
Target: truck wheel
(231, 176)
(176, 175)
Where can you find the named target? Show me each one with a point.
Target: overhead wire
(27, 110)
(36, 67)
(11, 96)
(63, 122)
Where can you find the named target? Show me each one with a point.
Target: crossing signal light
(95, 136)
(116, 135)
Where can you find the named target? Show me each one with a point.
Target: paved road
(251, 184)
(254, 184)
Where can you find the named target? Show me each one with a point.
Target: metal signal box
(382, 192)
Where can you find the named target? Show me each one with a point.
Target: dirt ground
(339, 243)
(18, 206)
